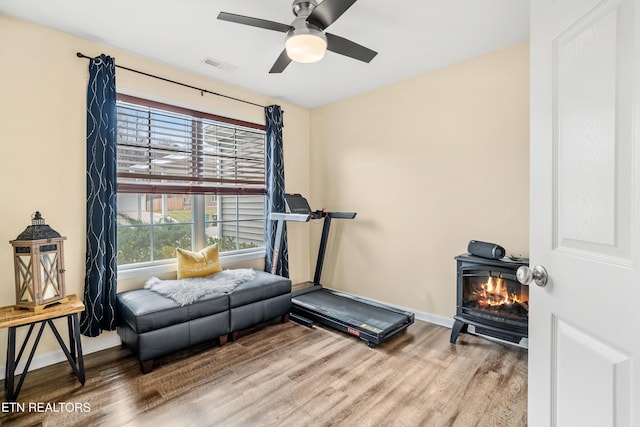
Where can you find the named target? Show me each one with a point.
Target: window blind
(163, 149)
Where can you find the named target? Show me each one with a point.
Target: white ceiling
(411, 38)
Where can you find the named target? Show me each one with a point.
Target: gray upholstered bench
(152, 325)
(263, 298)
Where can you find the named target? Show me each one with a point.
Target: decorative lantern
(39, 265)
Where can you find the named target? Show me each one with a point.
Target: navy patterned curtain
(275, 189)
(101, 264)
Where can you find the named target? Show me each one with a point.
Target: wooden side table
(12, 317)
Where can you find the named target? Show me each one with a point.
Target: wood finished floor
(290, 375)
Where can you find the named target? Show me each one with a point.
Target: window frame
(198, 199)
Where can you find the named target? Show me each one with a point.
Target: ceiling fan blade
(348, 48)
(254, 22)
(327, 12)
(281, 63)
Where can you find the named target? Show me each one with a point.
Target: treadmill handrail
(325, 237)
(342, 215)
(283, 216)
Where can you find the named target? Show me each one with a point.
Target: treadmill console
(297, 204)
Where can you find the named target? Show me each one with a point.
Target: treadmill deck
(372, 322)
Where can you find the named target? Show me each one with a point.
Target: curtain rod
(202, 91)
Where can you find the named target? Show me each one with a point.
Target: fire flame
(494, 292)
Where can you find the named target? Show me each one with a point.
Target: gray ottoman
(266, 297)
(152, 325)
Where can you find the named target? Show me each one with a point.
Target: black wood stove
(490, 300)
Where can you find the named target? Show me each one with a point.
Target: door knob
(538, 274)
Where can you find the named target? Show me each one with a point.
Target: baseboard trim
(89, 345)
(435, 319)
(111, 339)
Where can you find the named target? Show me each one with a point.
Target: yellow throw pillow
(198, 264)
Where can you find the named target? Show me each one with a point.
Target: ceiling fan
(306, 40)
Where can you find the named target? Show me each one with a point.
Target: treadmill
(370, 321)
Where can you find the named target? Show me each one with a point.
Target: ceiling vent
(219, 64)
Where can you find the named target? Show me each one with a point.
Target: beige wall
(429, 164)
(43, 104)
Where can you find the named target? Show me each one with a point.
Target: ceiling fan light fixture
(307, 47)
(306, 40)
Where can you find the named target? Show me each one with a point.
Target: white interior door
(584, 343)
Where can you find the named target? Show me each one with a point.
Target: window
(186, 179)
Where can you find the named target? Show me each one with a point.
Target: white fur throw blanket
(186, 291)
